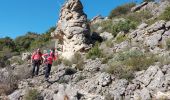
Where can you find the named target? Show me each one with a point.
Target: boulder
(142, 26)
(92, 65)
(153, 41)
(152, 78)
(117, 90)
(143, 94)
(72, 28)
(97, 19)
(167, 24)
(15, 95)
(26, 56)
(106, 36)
(104, 79)
(162, 95)
(156, 26)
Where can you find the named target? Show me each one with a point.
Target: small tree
(121, 10)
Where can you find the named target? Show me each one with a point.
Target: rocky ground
(94, 84)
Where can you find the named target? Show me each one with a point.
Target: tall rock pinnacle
(72, 27)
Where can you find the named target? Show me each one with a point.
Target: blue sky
(20, 16)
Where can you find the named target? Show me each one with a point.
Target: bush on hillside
(121, 38)
(124, 64)
(95, 52)
(78, 60)
(8, 82)
(121, 10)
(138, 17)
(32, 94)
(115, 28)
(168, 44)
(166, 14)
(123, 26)
(23, 42)
(7, 42)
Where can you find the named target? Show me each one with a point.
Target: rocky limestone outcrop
(72, 28)
(152, 37)
(155, 8)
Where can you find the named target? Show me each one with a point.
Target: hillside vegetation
(28, 42)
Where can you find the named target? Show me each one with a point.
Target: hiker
(36, 60)
(48, 60)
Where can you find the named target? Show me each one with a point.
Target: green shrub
(121, 38)
(32, 94)
(138, 17)
(164, 60)
(168, 44)
(67, 62)
(95, 52)
(166, 14)
(109, 43)
(115, 28)
(121, 10)
(124, 64)
(123, 26)
(78, 60)
(4, 59)
(8, 83)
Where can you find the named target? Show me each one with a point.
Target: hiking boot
(46, 79)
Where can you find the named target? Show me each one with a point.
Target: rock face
(155, 8)
(72, 27)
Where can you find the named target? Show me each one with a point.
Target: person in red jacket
(48, 60)
(36, 60)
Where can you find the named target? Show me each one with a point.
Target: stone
(167, 24)
(106, 35)
(142, 26)
(152, 78)
(15, 95)
(72, 28)
(167, 33)
(120, 47)
(156, 26)
(96, 19)
(156, 82)
(26, 56)
(92, 65)
(148, 75)
(145, 94)
(47, 94)
(104, 79)
(153, 40)
(162, 95)
(118, 88)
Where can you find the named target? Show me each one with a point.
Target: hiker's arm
(43, 56)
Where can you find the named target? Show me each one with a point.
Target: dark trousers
(36, 65)
(47, 70)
